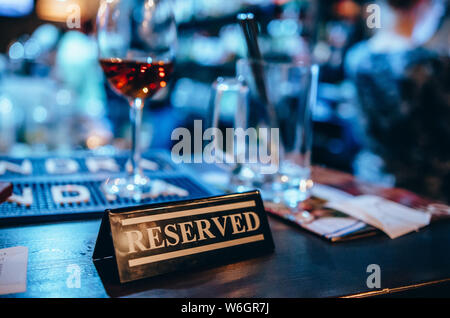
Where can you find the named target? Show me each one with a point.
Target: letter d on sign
(374, 279)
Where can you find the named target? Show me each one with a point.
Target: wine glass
(137, 41)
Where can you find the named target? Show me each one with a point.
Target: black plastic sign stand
(160, 238)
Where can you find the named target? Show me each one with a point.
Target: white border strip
(173, 215)
(194, 250)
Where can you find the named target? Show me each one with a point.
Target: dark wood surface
(303, 265)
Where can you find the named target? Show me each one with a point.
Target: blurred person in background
(402, 76)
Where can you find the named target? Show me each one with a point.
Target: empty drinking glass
(229, 115)
(282, 96)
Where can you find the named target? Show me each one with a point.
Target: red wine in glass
(136, 79)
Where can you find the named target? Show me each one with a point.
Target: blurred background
(53, 97)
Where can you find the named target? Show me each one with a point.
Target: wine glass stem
(136, 120)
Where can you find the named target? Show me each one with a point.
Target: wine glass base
(291, 194)
(131, 187)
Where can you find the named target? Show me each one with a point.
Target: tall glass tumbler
(282, 96)
(231, 140)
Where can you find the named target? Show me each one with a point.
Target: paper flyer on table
(390, 217)
(13, 270)
(329, 223)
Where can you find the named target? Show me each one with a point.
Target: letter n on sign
(155, 239)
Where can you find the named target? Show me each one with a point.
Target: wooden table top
(303, 265)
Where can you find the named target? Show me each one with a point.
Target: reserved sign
(159, 238)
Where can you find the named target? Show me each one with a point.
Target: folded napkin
(390, 217)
